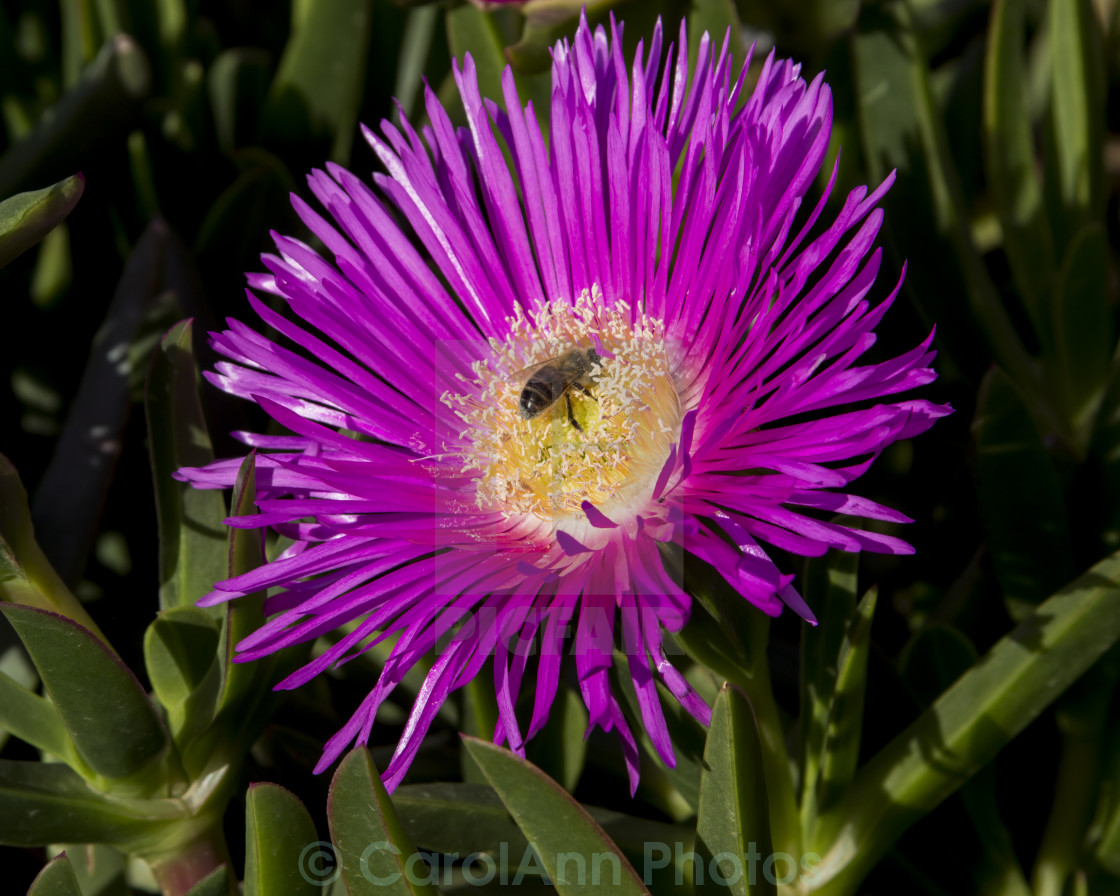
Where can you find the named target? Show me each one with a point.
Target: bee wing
(520, 376)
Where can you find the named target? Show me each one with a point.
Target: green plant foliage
(29, 217)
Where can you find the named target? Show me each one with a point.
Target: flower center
(578, 404)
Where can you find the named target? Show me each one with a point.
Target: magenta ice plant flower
(508, 390)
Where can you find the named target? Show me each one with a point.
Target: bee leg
(582, 388)
(572, 417)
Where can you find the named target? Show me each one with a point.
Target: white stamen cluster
(545, 466)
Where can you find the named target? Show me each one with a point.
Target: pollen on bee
(627, 413)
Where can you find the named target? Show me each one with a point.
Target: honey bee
(555, 379)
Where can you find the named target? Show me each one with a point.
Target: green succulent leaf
(374, 852)
(318, 87)
(56, 879)
(570, 844)
(28, 217)
(1028, 533)
(457, 818)
(278, 831)
(1083, 330)
(26, 576)
(840, 749)
(111, 721)
(184, 666)
(416, 44)
(469, 30)
(219, 882)
(733, 821)
(1075, 168)
(43, 803)
(1010, 163)
(33, 719)
(192, 555)
(100, 868)
(238, 82)
(80, 38)
(246, 614)
(972, 720)
(829, 583)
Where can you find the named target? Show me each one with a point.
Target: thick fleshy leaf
(456, 818)
(26, 576)
(219, 882)
(111, 721)
(318, 87)
(70, 498)
(840, 749)
(278, 829)
(1028, 533)
(97, 111)
(181, 656)
(238, 82)
(556, 824)
(416, 44)
(44, 803)
(28, 217)
(246, 614)
(56, 879)
(469, 30)
(463, 819)
(192, 538)
(829, 584)
(1011, 166)
(81, 37)
(375, 853)
(733, 822)
(1083, 332)
(33, 719)
(1083, 716)
(101, 869)
(1075, 166)
(902, 129)
(973, 720)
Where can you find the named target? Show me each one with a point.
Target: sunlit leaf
(192, 536)
(318, 87)
(577, 854)
(733, 822)
(28, 217)
(278, 829)
(974, 719)
(374, 851)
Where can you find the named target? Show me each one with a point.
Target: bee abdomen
(541, 392)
